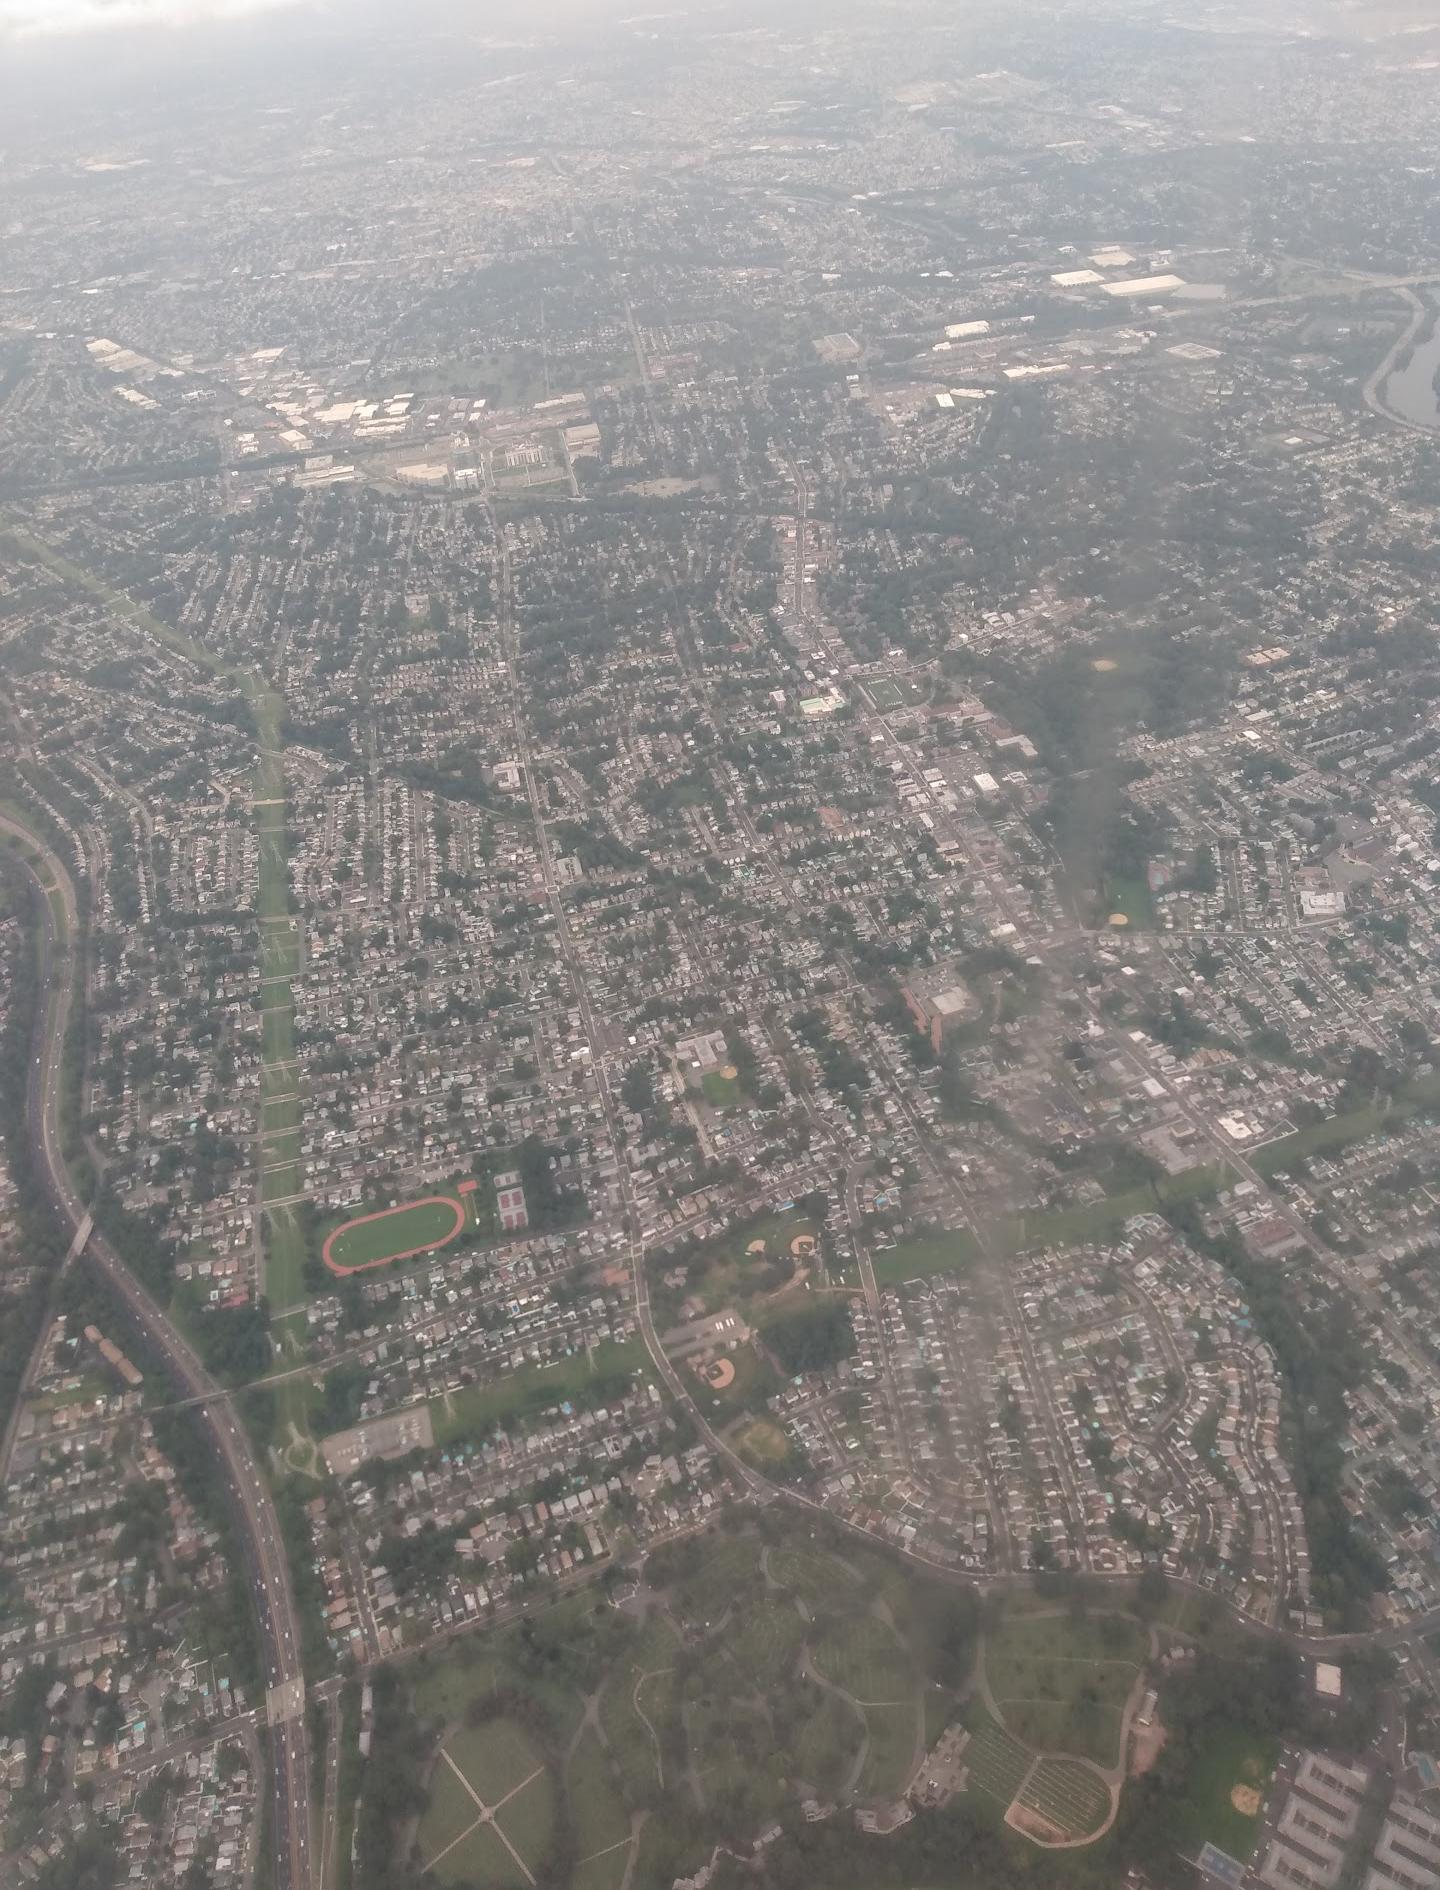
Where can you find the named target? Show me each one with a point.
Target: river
(1410, 391)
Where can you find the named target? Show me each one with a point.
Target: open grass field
(495, 1757)
(763, 1443)
(1090, 1732)
(931, 1253)
(451, 1812)
(398, 1233)
(1416, 1097)
(598, 1811)
(494, 1766)
(720, 1091)
(479, 1858)
(605, 1871)
(1132, 897)
(890, 1757)
(476, 1410)
(1061, 1684)
(1207, 1813)
(1068, 1226)
(284, 1257)
(647, 1666)
(827, 1747)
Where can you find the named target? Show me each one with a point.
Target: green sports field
(394, 1234)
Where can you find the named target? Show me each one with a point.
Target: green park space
(1092, 1220)
(1130, 896)
(398, 1233)
(745, 1265)
(1415, 1098)
(762, 1443)
(949, 1252)
(1061, 1685)
(1229, 1764)
(590, 1377)
(720, 1091)
(16, 540)
(767, 1660)
(755, 1380)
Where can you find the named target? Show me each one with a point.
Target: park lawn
(282, 1110)
(754, 1377)
(117, 601)
(729, 1269)
(721, 1091)
(1056, 1637)
(931, 1253)
(1072, 1225)
(941, 1707)
(1052, 1726)
(451, 1811)
(277, 1027)
(1422, 1093)
(1061, 1684)
(481, 1858)
(476, 1410)
(495, 1757)
(415, 1227)
(281, 1146)
(630, 1744)
(891, 1751)
(1132, 897)
(284, 1258)
(603, 1872)
(828, 1744)
(528, 1819)
(599, 1816)
(763, 1443)
(1204, 1813)
(468, 1672)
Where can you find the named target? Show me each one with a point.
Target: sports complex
(397, 1233)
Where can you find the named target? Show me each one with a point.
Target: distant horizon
(48, 19)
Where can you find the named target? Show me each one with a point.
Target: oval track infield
(398, 1233)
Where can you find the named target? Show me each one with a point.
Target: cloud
(29, 19)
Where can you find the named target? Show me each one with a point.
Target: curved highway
(268, 1568)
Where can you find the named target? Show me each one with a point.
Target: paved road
(246, 1489)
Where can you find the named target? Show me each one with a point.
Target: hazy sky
(42, 17)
